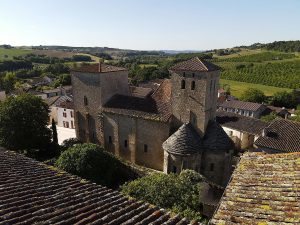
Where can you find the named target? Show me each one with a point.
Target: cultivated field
(6, 54)
(237, 88)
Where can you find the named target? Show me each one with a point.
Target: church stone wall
(195, 106)
(176, 163)
(137, 132)
(216, 166)
(97, 88)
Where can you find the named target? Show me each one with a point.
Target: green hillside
(6, 54)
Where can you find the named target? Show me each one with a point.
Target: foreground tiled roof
(264, 189)
(98, 68)
(34, 193)
(241, 105)
(194, 64)
(184, 141)
(282, 135)
(241, 123)
(155, 107)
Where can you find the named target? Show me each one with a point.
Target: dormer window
(193, 85)
(183, 84)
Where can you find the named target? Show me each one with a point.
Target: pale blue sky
(148, 24)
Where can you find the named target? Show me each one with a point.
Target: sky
(149, 24)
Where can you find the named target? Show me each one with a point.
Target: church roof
(194, 64)
(264, 189)
(215, 137)
(184, 141)
(155, 107)
(98, 68)
(35, 193)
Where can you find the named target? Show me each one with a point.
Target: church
(169, 129)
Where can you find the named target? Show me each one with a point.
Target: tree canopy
(92, 162)
(179, 193)
(23, 123)
(253, 95)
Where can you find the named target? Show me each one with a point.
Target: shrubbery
(179, 193)
(92, 162)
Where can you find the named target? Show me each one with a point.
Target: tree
(269, 118)
(8, 82)
(92, 162)
(281, 99)
(179, 193)
(54, 133)
(253, 95)
(23, 123)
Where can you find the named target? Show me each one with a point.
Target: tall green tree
(23, 123)
(253, 95)
(54, 133)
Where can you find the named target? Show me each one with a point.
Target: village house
(250, 109)
(244, 131)
(279, 137)
(35, 193)
(54, 104)
(264, 189)
(171, 129)
(65, 114)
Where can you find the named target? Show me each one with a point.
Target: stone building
(171, 129)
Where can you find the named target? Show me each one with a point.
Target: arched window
(183, 84)
(193, 85)
(85, 100)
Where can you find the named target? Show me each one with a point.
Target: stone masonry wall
(199, 103)
(97, 88)
(137, 132)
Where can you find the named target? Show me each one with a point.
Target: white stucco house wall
(65, 115)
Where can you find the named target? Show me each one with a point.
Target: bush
(68, 143)
(179, 193)
(92, 162)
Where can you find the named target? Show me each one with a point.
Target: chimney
(264, 132)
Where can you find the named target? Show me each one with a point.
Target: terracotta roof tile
(98, 68)
(264, 189)
(184, 141)
(282, 135)
(155, 107)
(241, 105)
(194, 64)
(241, 123)
(34, 193)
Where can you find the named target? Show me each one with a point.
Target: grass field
(237, 88)
(6, 54)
